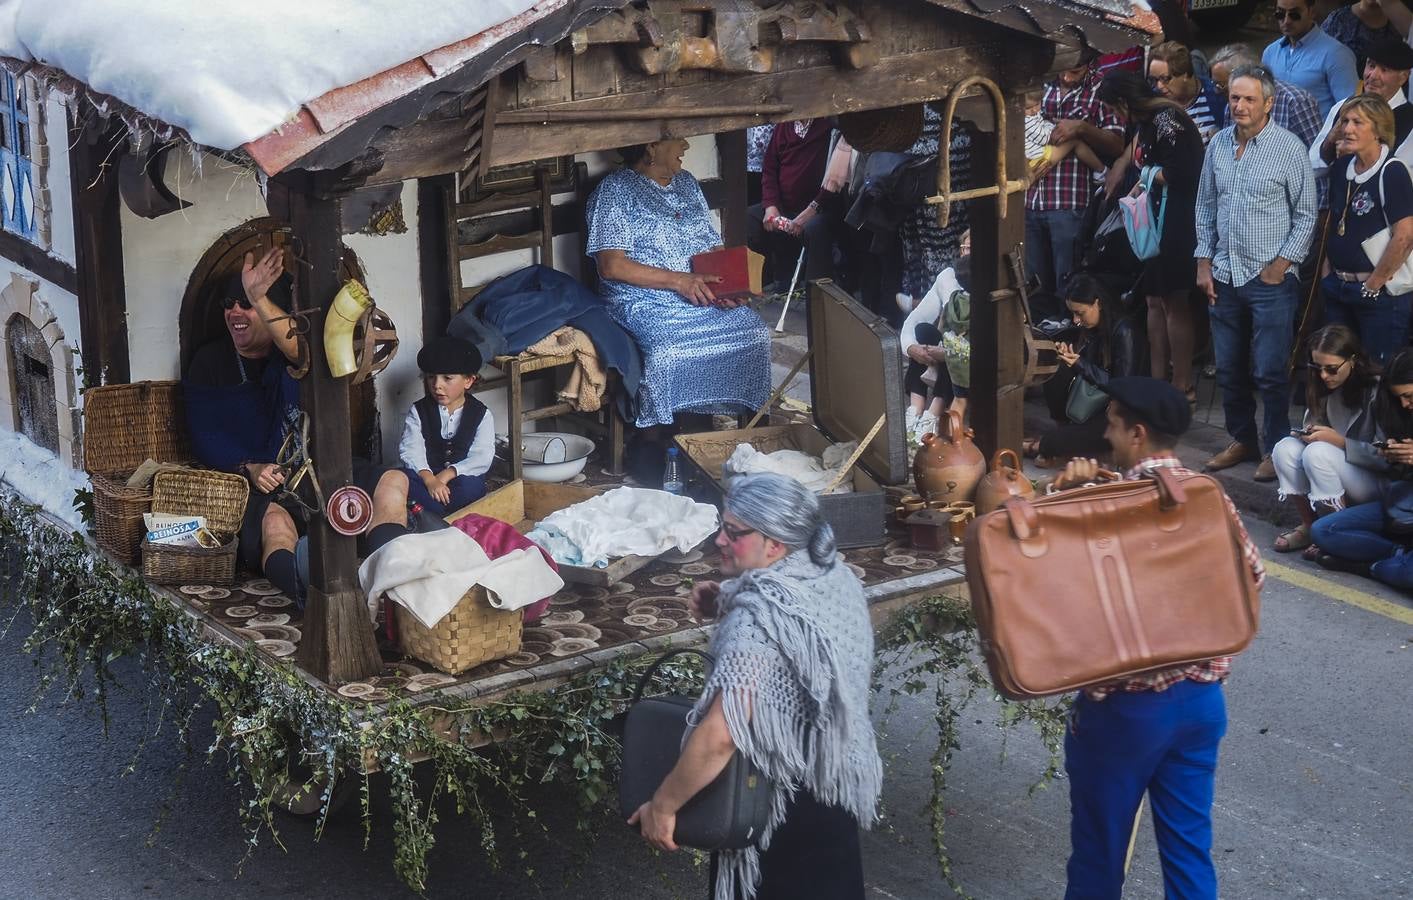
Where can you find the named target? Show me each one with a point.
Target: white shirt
(931, 307)
(413, 448)
(1322, 168)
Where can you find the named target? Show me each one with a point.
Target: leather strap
(652, 669)
(1170, 490)
(1025, 521)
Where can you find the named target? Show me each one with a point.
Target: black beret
(449, 356)
(279, 292)
(1157, 404)
(1391, 53)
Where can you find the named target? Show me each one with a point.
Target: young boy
(1040, 154)
(448, 441)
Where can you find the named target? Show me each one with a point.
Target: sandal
(1296, 539)
(1311, 553)
(1030, 448)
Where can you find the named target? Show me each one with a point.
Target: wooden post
(434, 203)
(98, 250)
(997, 354)
(731, 150)
(338, 643)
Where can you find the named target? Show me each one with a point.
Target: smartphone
(1298, 431)
(1379, 445)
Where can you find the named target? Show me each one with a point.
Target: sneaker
(910, 417)
(904, 301)
(1236, 452)
(1266, 471)
(926, 424)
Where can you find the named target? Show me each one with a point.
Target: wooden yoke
(338, 643)
(1003, 188)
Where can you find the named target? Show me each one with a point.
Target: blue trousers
(1356, 534)
(1381, 323)
(1162, 742)
(1049, 247)
(1253, 328)
(464, 489)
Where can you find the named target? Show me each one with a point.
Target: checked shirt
(1069, 185)
(1211, 670)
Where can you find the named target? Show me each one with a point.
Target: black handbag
(728, 814)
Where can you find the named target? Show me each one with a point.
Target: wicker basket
(197, 492)
(125, 425)
(474, 632)
(894, 129)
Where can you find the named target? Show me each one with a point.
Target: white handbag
(1401, 281)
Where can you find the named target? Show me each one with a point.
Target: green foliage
(933, 646)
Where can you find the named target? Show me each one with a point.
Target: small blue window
(17, 179)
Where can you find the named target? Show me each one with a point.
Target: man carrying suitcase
(1157, 732)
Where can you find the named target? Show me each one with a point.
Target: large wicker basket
(124, 425)
(894, 129)
(219, 497)
(474, 632)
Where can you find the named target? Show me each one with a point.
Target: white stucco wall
(61, 214)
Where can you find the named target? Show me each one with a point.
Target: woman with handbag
(1107, 348)
(1371, 230)
(1373, 539)
(1330, 461)
(1162, 136)
(790, 690)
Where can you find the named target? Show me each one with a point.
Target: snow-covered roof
(230, 73)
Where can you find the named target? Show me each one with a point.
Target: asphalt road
(1314, 797)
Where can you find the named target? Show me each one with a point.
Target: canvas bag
(956, 350)
(1145, 230)
(1401, 281)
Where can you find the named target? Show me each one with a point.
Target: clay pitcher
(1003, 483)
(948, 467)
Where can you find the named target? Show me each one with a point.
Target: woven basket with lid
(220, 498)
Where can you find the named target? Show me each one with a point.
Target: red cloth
(498, 538)
(792, 172)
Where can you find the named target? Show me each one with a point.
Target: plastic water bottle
(672, 473)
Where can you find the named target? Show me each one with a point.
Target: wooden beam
(97, 279)
(338, 643)
(434, 197)
(997, 353)
(731, 151)
(52, 269)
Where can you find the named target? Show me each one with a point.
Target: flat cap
(1391, 53)
(1157, 404)
(449, 356)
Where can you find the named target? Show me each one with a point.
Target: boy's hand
(440, 492)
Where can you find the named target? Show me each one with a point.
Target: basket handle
(652, 669)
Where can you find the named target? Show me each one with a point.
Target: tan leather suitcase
(1093, 584)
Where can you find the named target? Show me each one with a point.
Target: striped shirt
(1208, 671)
(1256, 208)
(1068, 185)
(1206, 110)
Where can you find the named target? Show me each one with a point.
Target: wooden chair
(539, 203)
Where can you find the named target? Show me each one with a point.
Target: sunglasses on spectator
(228, 302)
(735, 534)
(1294, 15)
(1327, 370)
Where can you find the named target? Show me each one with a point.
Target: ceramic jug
(1003, 483)
(948, 467)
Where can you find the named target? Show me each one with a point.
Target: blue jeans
(1253, 328)
(1381, 323)
(464, 489)
(1162, 742)
(1356, 534)
(1049, 245)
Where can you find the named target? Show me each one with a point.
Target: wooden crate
(524, 503)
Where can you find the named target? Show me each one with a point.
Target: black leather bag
(728, 814)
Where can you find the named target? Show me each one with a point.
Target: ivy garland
(287, 740)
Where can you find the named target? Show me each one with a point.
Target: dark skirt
(814, 853)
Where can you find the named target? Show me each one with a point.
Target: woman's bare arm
(695, 289)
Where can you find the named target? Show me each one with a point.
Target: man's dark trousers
(1253, 329)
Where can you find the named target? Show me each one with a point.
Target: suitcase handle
(1025, 521)
(652, 669)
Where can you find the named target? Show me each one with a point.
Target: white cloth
(931, 307)
(428, 573)
(412, 449)
(1321, 472)
(813, 472)
(1404, 151)
(630, 521)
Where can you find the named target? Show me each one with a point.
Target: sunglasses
(1294, 15)
(735, 534)
(1327, 370)
(228, 302)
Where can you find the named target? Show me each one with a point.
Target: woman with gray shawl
(790, 690)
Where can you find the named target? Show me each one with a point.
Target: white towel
(633, 521)
(428, 573)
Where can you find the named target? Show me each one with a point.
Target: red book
(739, 268)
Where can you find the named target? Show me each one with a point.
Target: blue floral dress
(695, 358)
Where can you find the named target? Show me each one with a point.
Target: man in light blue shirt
(1307, 57)
(1255, 220)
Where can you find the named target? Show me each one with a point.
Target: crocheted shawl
(794, 660)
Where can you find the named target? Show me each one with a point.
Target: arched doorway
(201, 320)
(32, 374)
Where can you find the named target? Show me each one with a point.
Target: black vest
(442, 452)
(1402, 124)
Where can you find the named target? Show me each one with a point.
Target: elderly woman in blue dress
(701, 354)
